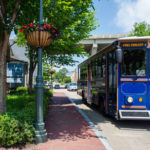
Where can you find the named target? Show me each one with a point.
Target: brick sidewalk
(67, 129)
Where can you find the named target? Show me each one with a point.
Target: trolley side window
(79, 75)
(134, 62)
(98, 67)
(83, 73)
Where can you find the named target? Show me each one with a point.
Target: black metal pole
(51, 81)
(40, 131)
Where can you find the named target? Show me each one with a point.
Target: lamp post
(51, 72)
(40, 131)
(51, 81)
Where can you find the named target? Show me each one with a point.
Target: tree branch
(2, 11)
(1, 16)
(13, 43)
(34, 66)
(14, 14)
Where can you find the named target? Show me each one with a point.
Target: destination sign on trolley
(139, 44)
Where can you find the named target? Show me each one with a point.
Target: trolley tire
(83, 98)
(101, 106)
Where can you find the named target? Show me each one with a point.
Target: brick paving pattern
(67, 129)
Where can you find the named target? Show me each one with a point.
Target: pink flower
(49, 25)
(53, 31)
(25, 26)
(45, 25)
(31, 25)
(21, 30)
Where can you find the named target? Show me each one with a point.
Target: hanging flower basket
(39, 38)
(52, 71)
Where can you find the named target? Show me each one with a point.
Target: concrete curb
(97, 132)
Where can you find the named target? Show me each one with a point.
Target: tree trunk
(30, 78)
(3, 52)
(31, 70)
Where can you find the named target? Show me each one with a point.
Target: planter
(46, 89)
(39, 38)
(51, 71)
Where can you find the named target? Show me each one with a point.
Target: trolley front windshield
(134, 63)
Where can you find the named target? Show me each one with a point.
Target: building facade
(17, 71)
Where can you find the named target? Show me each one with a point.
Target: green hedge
(17, 125)
(22, 89)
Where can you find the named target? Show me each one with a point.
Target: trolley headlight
(130, 99)
(140, 99)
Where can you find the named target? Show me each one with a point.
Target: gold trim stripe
(137, 80)
(133, 107)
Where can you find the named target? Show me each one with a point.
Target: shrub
(18, 102)
(51, 93)
(67, 80)
(62, 83)
(22, 89)
(13, 131)
(16, 126)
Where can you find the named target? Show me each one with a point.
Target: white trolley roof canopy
(119, 39)
(134, 38)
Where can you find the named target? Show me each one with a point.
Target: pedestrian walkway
(67, 129)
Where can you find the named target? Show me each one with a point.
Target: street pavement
(121, 135)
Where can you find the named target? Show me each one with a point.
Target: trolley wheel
(101, 106)
(83, 98)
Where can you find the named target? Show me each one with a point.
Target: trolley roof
(135, 38)
(94, 56)
(107, 47)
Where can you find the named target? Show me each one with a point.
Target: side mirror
(119, 55)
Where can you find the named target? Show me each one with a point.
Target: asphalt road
(121, 135)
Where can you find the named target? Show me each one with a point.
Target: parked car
(57, 86)
(66, 86)
(72, 87)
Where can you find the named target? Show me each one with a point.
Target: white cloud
(131, 11)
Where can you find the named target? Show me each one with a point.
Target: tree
(12, 12)
(61, 75)
(74, 19)
(32, 55)
(67, 80)
(75, 24)
(59, 60)
(140, 29)
(63, 72)
(46, 73)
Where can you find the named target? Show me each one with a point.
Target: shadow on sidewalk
(65, 122)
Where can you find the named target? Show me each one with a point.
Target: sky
(118, 17)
